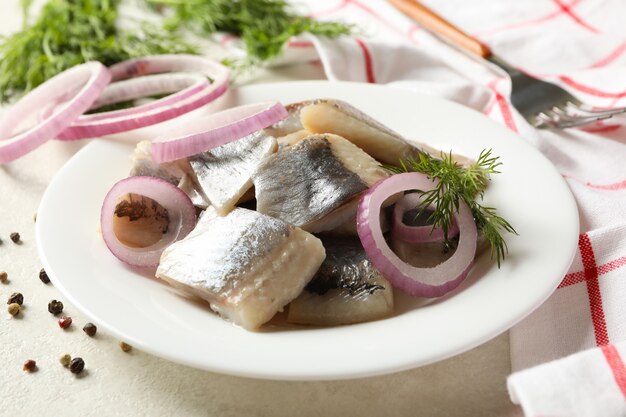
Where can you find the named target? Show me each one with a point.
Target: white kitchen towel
(580, 45)
(587, 384)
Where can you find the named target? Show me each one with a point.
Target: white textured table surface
(132, 384)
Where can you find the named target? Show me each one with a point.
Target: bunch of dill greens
(69, 32)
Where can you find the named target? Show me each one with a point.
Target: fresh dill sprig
(70, 32)
(457, 182)
(263, 25)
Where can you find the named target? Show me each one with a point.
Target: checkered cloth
(580, 45)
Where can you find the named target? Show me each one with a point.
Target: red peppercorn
(65, 322)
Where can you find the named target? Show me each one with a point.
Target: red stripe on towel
(367, 58)
(616, 364)
(567, 9)
(593, 290)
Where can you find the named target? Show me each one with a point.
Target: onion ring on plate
(214, 130)
(423, 282)
(87, 80)
(416, 234)
(174, 105)
(141, 216)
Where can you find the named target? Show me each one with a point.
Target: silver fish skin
(310, 184)
(247, 265)
(346, 289)
(225, 173)
(177, 172)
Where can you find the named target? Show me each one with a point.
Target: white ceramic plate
(530, 193)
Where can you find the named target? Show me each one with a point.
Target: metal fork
(543, 104)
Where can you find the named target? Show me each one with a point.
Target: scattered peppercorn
(90, 329)
(3, 277)
(15, 237)
(14, 309)
(65, 322)
(65, 360)
(77, 365)
(30, 366)
(125, 347)
(16, 297)
(43, 276)
(55, 307)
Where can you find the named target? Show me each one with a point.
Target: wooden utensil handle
(432, 22)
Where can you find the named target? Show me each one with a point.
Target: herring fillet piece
(341, 118)
(247, 265)
(225, 173)
(346, 289)
(291, 123)
(176, 172)
(384, 144)
(292, 138)
(309, 184)
(143, 165)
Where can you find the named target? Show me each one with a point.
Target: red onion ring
(214, 130)
(183, 85)
(107, 123)
(416, 234)
(181, 213)
(88, 80)
(423, 282)
(178, 86)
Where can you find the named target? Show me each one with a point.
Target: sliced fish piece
(192, 189)
(292, 138)
(384, 144)
(349, 227)
(246, 265)
(344, 229)
(346, 289)
(341, 118)
(314, 184)
(142, 164)
(225, 173)
(177, 172)
(291, 123)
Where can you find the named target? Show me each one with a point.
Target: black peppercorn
(17, 298)
(43, 276)
(77, 365)
(15, 237)
(90, 329)
(30, 366)
(55, 307)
